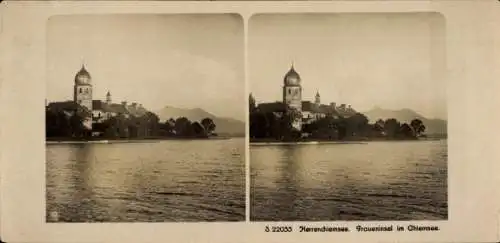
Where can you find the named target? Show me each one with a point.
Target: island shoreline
(260, 142)
(128, 140)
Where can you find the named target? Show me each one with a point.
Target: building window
(80, 90)
(289, 91)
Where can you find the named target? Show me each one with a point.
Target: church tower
(292, 95)
(108, 98)
(82, 93)
(317, 99)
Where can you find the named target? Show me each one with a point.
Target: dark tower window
(289, 91)
(80, 90)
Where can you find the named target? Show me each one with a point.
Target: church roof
(83, 73)
(104, 107)
(292, 78)
(68, 106)
(99, 105)
(311, 107)
(63, 105)
(308, 106)
(118, 108)
(272, 107)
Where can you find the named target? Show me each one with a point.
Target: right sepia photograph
(348, 117)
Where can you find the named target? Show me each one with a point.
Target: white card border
(473, 51)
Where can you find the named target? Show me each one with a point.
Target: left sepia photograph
(145, 118)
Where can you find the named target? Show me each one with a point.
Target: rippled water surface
(404, 180)
(200, 180)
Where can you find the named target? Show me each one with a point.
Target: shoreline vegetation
(279, 127)
(63, 126)
(128, 140)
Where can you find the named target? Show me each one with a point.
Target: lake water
(403, 180)
(198, 180)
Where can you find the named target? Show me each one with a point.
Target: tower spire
(108, 97)
(83, 62)
(317, 98)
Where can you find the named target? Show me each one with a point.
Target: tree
(357, 125)
(286, 123)
(417, 126)
(342, 128)
(119, 127)
(251, 103)
(209, 125)
(183, 127)
(378, 128)
(310, 127)
(406, 131)
(262, 124)
(198, 130)
(291, 116)
(171, 122)
(76, 124)
(167, 128)
(380, 124)
(149, 124)
(57, 124)
(272, 125)
(256, 125)
(391, 127)
(326, 128)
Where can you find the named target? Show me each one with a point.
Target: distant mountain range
(224, 126)
(433, 126)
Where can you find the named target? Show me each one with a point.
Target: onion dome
(292, 78)
(83, 76)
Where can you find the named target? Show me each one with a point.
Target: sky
(185, 61)
(386, 60)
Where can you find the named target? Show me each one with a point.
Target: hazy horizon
(391, 60)
(180, 60)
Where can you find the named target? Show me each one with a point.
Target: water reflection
(375, 181)
(147, 182)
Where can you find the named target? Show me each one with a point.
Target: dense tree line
(268, 125)
(61, 124)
